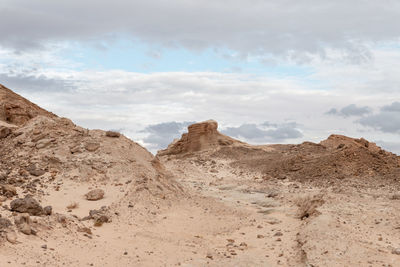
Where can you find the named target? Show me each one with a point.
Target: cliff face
(15, 109)
(200, 136)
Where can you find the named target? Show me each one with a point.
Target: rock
(85, 230)
(113, 134)
(33, 170)
(395, 197)
(3, 198)
(278, 234)
(4, 223)
(100, 220)
(99, 216)
(48, 210)
(272, 193)
(272, 221)
(4, 131)
(27, 205)
(43, 143)
(22, 218)
(3, 176)
(22, 221)
(91, 147)
(396, 251)
(25, 229)
(61, 218)
(95, 194)
(44, 246)
(8, 190)
(11, 237)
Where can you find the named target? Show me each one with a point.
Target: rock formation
(200, 136)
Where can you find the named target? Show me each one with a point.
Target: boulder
(95, 194)
(27, 205)
(91, 147)
(113, 134)
(35, 171)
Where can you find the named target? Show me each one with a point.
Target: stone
(61, 218)
(113, 134)
(22, 218)
(8, 190)
(25, 229)
(22, 221)
(91, 147)
(4, 223)
(27, 205)
(4, 131)
(43, 143)
(396, 251)
(33, 170)
(100, 220)
(95, 194)
(48, 210)
(272, 221)
(11, 237)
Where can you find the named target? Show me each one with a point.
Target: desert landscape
(77, 197)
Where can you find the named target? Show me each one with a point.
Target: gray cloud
(394, 107)
(278, 27)
(350, 110)
(162, 134)
(38, 83)
(266, 132)
(387, 120)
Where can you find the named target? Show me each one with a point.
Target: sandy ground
(227, 218)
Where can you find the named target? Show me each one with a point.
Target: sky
(269, 71)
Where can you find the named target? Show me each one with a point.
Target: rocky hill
(336, 158)
(94, 175)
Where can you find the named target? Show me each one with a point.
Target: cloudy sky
(269, 71)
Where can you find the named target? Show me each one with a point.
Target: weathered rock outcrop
(200, 136)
